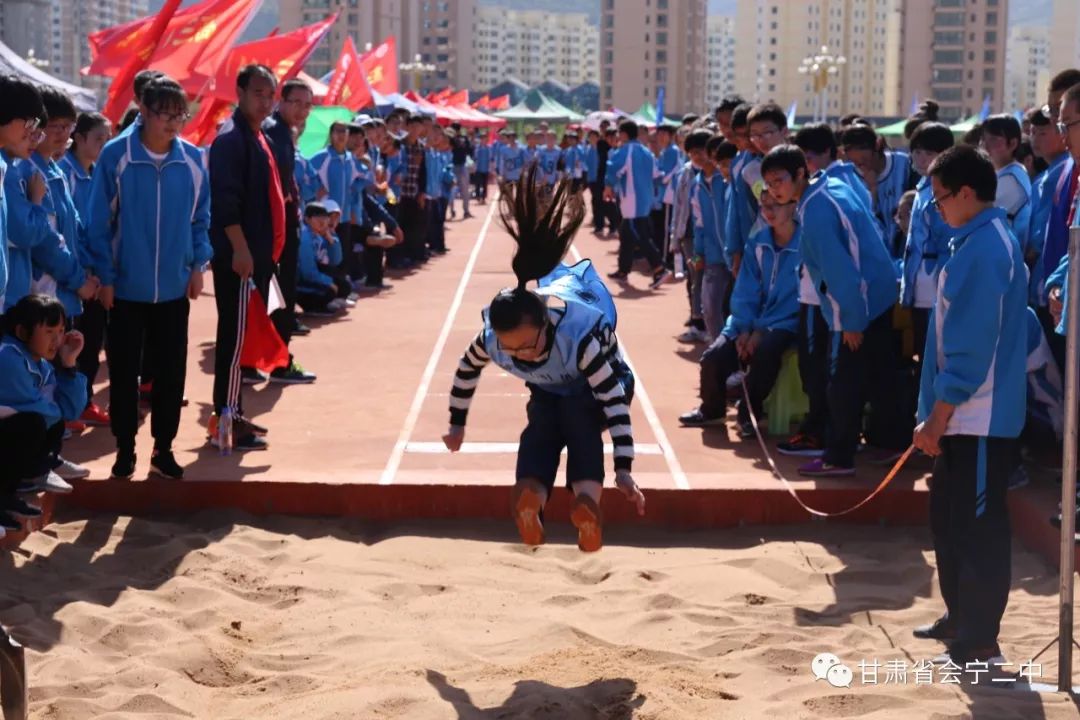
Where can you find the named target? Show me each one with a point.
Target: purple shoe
(820, 468)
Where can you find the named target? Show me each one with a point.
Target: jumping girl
(560, 339)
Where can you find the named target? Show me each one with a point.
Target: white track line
(651, 417)
(506, 448)
(394, 462)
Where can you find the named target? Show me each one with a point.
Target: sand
(223, 615)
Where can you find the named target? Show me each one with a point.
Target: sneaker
(745, 429)
(243, 441)
(336, 305)
(693, 335)
(820, 468)
(300, 329)
(619, 276)
(94, 415)
(940, 629)
(1019, 479)
(75, 426)
(251, 376)
(350, 303)
(696, 418)
(53, 483)
(659, 278)
(354, 296)
(241, 426)
(124, 467)
(801, 445)
(320, 313)
(467, 215)
(8, 523)
(19, 508)
(586, 517)
(69, 470)
(528, 515)
(163, 463)
(292, 375)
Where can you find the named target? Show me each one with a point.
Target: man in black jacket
(292, 112)
(247, 226)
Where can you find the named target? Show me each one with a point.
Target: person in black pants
(292, 112)
(412, 212)
(147, 241)
(247, 231)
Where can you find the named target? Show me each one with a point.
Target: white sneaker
(336, 305)
(693, 335)
(350, 303)
(70, 471)
(49, 482)
(354, 296)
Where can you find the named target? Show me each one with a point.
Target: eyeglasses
(1064, 127)
(180, 117)
(523, 348)
(31, 124)
(763, 135)
(64, 128)
(936, 202)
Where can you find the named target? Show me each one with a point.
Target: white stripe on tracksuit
(235, 379)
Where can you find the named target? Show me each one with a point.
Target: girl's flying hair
(543, 229)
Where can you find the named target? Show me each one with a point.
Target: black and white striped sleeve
(466, 378)
(608, 391)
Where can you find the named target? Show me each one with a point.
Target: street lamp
(417, 68)
(821, 67)
(33, 60)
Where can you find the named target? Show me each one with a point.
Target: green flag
(317, 131)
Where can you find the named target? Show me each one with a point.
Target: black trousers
(413, 222)
(636, 233)
(969, 519)
(162, 328)
(658, 230)
(596, 202)
(436, 223)
(868, 373)
(285, 319)
(720, 360)
(480, 184)
(813, 347)
(92, 325)
(231, 298)
(29, 449)
(312, 300)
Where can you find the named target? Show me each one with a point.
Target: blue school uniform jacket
(482, 158)
(742, 208)
(844, 254)
(307, 182)
(630, 170)
(1045, 191)
(27, 227)
(62, 255)
(976, 349)
(1014, 196)
(35, 386)
(708, 198)
(894, 181)
(363, 179)
(147, 228)
(926, 250)
(308, 274)
(668, 163)
(766, 293)
(547, 160)
(849, 174)
(78, 181)
(513, 162)
(590, 159)
(3, 234)
(336, 172)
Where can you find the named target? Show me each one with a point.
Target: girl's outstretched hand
(625, 482)
(453, 438)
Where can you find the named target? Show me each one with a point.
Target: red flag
(194, 42)
(501, 102)
(262, 348)
(202, 128)
(284, 54)
(482, 103)
(120, 91)
(461, 97)
(348, 86)
(381, 68)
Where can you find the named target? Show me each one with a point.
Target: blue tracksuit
(850, 175)
(78, 181)
(395, 173)
(892, 183)
(513, 162)
(668, 163)
(976, 351)
(1014, 195)
(308, 274)
(844, 254)
(482, 158)
(306, 179)
(437, 161)
(336, 172)
(27, 227)
(590, 159)
(1057, 230)
(547, 160)
(742, 204)
(62, 255)
(35, 386)
(926, 250)
(147, 226)
(1045, 390)
(766, 294)
(363, 178)
(630, 170)
(708, 199)
(3, 234)
(1045, 191)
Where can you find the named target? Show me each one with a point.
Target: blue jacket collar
(47, 165)
(32, 365)
(76, 166)
(138, 152)
(987, 216)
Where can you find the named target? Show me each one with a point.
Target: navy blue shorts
(575, 422)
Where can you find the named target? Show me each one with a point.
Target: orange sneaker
(585, 514)
(94, 415)
(527, 507)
